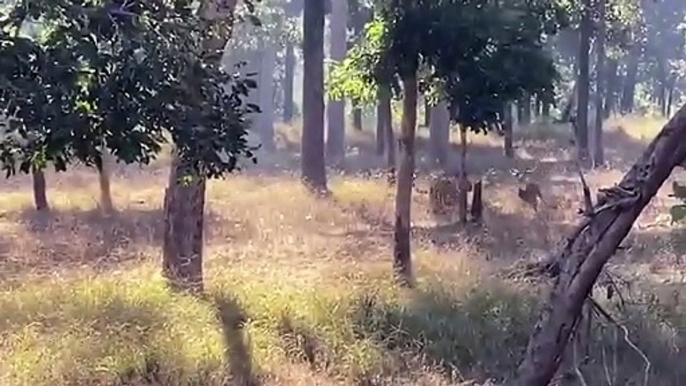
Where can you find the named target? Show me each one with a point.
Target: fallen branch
(595, 240)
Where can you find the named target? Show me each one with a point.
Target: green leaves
(121, 78)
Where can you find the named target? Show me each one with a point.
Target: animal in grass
(444, 194)
(531, 194)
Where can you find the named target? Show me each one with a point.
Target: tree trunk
(39, 196)
(289, 75)
(662, 86)
(312, 160)
(592, 244)
(104, 173)
(508, 130)
(427, 112)
(184, 203)
(402, 259)
(184, 198)
(380, 128)
(439, 133)
(266, 96)
(335, 143)
(477, 202)
(546, 110)
(357, 118)
(463, 185)
(525, 110)
(586, 30)
(612, 86)
(598, 151)
(629, 89)
(387, 113)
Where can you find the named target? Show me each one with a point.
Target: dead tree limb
(583, 256)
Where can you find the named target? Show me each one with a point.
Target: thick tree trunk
(357, 119)
(598, 151)
(629, 89)
(288, 80)
(184, 198)
(335, 143)
(312, 160)
(439, 133)
(266, 96)
(586, 30)
(592, 244)
(39, 195)
(402, 258)
(380, 128)
(508, 124)
(184, 203)
(104, 174)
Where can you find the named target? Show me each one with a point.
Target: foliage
(477, 53)
(117, 76)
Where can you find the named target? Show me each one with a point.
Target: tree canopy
(123, 77)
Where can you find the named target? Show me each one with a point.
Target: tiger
(444, 196)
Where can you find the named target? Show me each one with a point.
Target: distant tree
(583, 88)
(598, 151)
(312, 158)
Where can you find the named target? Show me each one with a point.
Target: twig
(577, 370)
(588, 202)
(628, 341)
(608, 377)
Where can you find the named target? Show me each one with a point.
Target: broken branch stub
(583, 255)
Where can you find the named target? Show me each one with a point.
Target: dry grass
(299, 291)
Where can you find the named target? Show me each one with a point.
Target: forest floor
(299, 289)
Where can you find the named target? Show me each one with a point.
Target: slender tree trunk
(427, 112)
(670, 95)
(289, 75)
(357, 119)
(590, 247)
(586, 30)
(612, 85)
(380, 128)
(312, 160)
(387, 113)
(184, 198)
(104, 174)
(39, 196)
(508, 129)
(546, 110)
(335, 144)
(266, 96)
(463, 185)
(629, 89)
(525, 110)
(662, 86)
(402, 262)
(439, 133)
(598, 151)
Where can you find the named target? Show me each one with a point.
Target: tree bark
(402, 262)
(598, 151)
(439, 133)
(427, 112)
(525, 110)
(357, 118)
(612, 87)
(289, 75)
(335, 143)
(182, 251)
(266, 96)
(463, 185)
(595, 240)
(380, 128)
(104, 174)
(387, 113)
(508, 124)
(586, 30)
(629, 89)
(39, 195)
(312, 160)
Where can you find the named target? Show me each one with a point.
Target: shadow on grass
(89, 238)
(238, 354)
